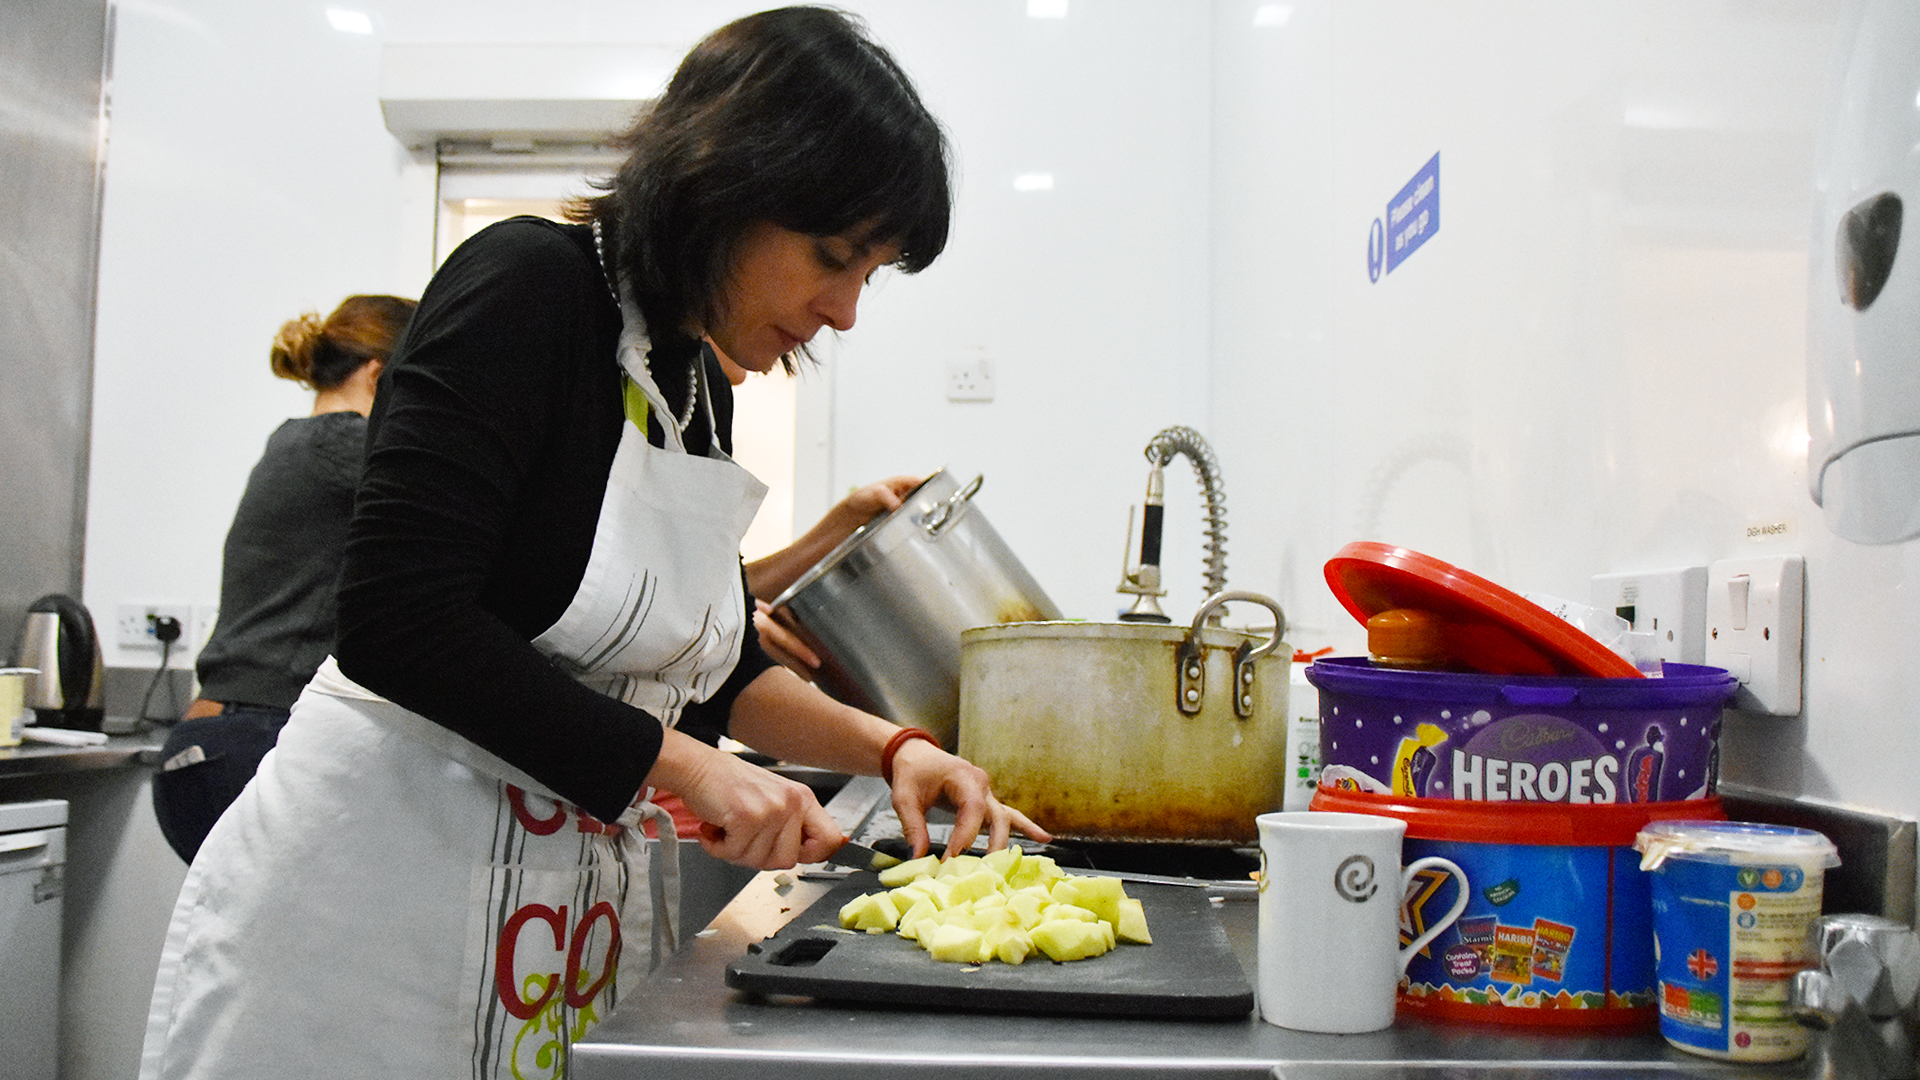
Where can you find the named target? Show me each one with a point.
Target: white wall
(1597, 364)
(251, 178)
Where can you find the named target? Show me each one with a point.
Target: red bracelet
(901, 738)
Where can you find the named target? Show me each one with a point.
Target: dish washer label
(1412, 217)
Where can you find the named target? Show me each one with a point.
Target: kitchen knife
(861, 857)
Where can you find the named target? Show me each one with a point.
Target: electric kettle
(60, 641)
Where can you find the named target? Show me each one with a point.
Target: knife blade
(861, 857)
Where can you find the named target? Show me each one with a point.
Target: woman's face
(786, 286)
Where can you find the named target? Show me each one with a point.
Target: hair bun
(294, 347)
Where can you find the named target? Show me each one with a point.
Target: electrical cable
(166, 629)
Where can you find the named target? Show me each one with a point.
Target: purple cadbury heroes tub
(1519, 738)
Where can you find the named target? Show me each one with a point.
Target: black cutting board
(1188, 971)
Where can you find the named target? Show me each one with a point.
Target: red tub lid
(1550, 824)
(1491, 629)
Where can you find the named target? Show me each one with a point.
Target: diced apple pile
(1003, 906)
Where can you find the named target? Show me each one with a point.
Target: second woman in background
(277, 570)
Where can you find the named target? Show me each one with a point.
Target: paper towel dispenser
(521, 92)
(1863, 366)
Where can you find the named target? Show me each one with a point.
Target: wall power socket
(970, 379)
(1669, 604)
(133, 625)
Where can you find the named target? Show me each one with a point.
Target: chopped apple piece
(873, 912)
(1070, 939)
(1073, 912)
(922, 909)
(940, 889)
(1002, 862)
(958, 914)
(991, 900)
(1008, 944)
(1027, 907)
(1102, 896)
(895, 876)
(978, 884)
(959, 866)
(954, 944)
(1133, 922)
(1034, 870)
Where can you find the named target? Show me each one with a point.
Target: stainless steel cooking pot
(1131, 731)
(885, 609)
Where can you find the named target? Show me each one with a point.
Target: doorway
(479, 185)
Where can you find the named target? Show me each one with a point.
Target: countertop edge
(37, 759)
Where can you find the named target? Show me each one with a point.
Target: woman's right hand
(755, 818)
(863, 504)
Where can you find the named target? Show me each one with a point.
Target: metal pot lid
(1490, 628)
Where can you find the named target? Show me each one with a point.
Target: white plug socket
(970, 379)
(1669, 604)
(133, 625)
(1754, 628)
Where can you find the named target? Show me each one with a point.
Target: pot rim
(1078, 630)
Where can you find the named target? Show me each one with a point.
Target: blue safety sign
(1412, 217)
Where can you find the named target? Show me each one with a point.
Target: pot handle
(1190, 688)
(936, 520)
(1219, 598)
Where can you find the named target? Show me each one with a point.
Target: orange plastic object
(1406, 638)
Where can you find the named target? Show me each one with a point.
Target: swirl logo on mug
(1303, 922)
(1354, 879)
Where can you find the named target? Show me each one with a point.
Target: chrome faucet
(1143, 579)
(1862, 999)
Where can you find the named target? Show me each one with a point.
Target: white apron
(387, 899)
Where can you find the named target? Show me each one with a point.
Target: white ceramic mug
(1331, 891)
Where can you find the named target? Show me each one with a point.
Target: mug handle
(1459, 902)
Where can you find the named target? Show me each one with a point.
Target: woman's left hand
(782, 643)
(925, 776)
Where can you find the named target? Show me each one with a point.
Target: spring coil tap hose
(1159, 451)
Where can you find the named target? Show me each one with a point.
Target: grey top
(281, 562)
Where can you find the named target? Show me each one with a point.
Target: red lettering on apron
(536, 825)
(503, 973)
(580, 999)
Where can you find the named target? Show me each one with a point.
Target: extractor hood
(509, 94)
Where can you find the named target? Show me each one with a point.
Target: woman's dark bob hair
(792, 116)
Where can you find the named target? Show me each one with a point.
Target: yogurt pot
(1732, 906)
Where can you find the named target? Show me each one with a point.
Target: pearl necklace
(693, 368)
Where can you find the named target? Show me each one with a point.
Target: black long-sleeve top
(492, 433)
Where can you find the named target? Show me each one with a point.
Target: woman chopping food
(434, 872)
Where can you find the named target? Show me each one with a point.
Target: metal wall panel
(54, 57)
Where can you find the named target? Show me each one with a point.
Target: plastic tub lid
(1733, 843)
(1491, 629)
(1543, 824)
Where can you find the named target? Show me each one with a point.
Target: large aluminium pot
(1131, 732)
(885, 609)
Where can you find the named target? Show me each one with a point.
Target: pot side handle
(936, 520)
(1190, 688)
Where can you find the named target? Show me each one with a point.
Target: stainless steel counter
(685, 1023)
(46, 759)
